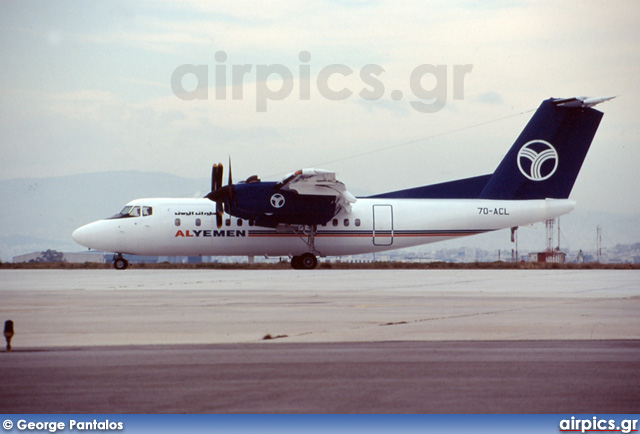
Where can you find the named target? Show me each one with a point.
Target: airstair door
(382, 225)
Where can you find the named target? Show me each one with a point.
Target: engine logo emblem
(277, 200)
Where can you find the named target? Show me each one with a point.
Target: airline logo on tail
(537, 160)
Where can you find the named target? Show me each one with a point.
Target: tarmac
(338, 341)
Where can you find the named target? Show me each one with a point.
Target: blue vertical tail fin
(545, 159)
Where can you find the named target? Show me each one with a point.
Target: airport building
(53, 256)
(550, 256)
(95, 257)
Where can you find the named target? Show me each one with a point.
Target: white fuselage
(187, 227)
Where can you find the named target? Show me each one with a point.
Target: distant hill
(41, 213)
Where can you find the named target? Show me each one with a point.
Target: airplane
(311, 214)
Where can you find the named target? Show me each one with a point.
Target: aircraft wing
(318, 182)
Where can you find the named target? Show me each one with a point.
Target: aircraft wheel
(120, 264)
(308, 261)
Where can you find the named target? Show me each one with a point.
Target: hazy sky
(87, 87)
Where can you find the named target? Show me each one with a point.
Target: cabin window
(239, 222)
(198, 222)
(146, 211)
(251, 223)
(177, 222)
(335, 222)
(357, 222)
(227, 222)
(346, 222)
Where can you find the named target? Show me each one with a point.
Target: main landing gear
(119, 263)
(307, 261)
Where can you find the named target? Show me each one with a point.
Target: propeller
(232, 187)
(216, 184)
(219, 193)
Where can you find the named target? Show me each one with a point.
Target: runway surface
(140, 307)
(387, 341)
(393, 377)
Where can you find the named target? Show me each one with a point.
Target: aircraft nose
(99, 235)
(82, 236)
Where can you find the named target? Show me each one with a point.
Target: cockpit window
(147, 210)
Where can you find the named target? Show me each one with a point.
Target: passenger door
(382, 225)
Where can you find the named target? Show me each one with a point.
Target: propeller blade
(219, 176)
(214, 176)
(232, 188)
(219, 215)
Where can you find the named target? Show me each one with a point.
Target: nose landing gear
(119, 263)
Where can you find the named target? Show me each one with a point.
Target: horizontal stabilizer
(581, 101)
